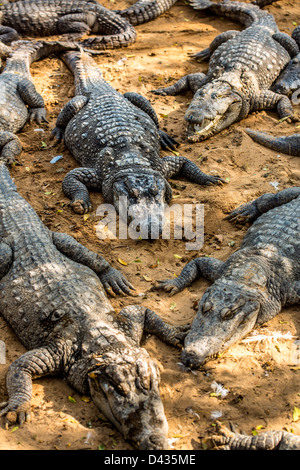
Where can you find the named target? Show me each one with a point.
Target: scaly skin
(271, 440)
(19, 100)
(116, 139)
(52, 294)
(242, 68)
(145, 10)
(253, 285)
(289, 81)
(286, 144)
(73, 18)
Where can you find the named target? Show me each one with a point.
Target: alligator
(116, 138)
(242, 67)
(19, 99)
(53, 295)
(255, 282)
(145, 10)
(269, 440)
(72, 19)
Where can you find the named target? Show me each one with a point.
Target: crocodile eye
(295, 60)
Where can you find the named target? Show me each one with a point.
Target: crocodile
(252, 285)
(242, 67)
(229, 439)
(53, 295)
(116, 138)
(19, 99)
(72, 19)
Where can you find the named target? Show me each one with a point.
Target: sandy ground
(261, 378)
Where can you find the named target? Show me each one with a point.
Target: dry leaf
(122, 262)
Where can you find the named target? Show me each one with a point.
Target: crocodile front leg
(175, 165)
(113, 280)
(6, 258)
(33, 99)
(67, 113)
(250, 211)
(142, 103)
(134, 320)
(76, 184)
(268, 100)
(208, 268)
(10, 146)
(36, 363)
(192, 82)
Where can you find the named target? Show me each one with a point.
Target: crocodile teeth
(200, 130)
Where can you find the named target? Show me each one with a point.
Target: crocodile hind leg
(205, 54)
(192, 82)
(76, 184)
(140, 319)
(250, 211)
(10, 146)
(208, 268)
(175, 165)
(67, 113)
(114, 282)
(141, 102)
(35, 363)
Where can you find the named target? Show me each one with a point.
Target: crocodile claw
(169, 285)
(58, 133)
(14, 416)
(167, 141)
(38, 115)
(81, 207)
(246, 213)
(114, 282)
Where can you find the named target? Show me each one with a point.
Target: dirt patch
(261, 378)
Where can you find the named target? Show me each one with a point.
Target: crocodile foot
(81, 207)
(114, 282)
(19, 415)
(173, 286)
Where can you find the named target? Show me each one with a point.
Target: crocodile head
(125, 389)
(226, 313)
(140, 200)
(213, 108)
(289, 80)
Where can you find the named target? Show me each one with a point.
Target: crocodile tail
(289, 145)
(201, 4)
(84, 68)
(6, 182)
